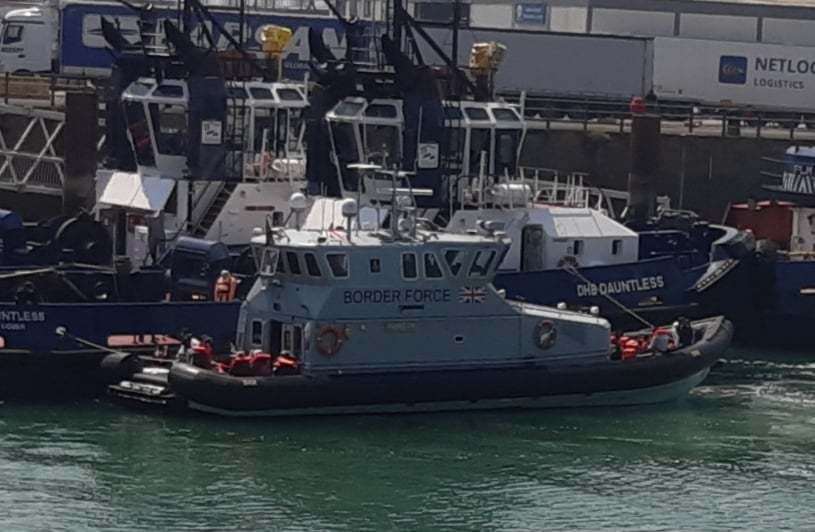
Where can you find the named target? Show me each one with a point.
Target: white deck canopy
(136, 192)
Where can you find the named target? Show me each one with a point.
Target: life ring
(330, 340)
(545, 334)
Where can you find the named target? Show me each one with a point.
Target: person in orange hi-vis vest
(226, 286)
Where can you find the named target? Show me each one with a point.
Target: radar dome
(297, 202)
(349, 208)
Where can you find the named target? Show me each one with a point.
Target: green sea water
(737, 454)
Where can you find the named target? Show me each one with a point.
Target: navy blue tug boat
(59, 275)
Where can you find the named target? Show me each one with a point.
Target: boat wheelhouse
(480, 137)
(261, 165)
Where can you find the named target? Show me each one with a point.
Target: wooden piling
(80, 136)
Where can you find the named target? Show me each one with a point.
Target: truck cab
(27, 37)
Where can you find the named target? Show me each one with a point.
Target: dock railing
(607, 114)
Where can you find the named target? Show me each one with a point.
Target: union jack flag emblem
(469, 294)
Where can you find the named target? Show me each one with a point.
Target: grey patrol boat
(350, 315)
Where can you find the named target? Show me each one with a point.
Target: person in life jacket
(226, 286)
(203, 354)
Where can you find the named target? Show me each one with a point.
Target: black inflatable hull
(644, 380)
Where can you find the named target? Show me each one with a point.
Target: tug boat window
(577, 248)
(289, 95)
(432, 268)
(616, 247)
(507, 115)
(476, 113)
(169, 91)
(261, 93)
(139, 88)
(346, 151)
(140, 133)
(479, 142)
(376, 266)
(481, 264)
(506, 148)
(382, 144)
(409, 268)
(171, 124)
(379, 110)
(455, 260)
(311, 265)
(236, 93)
(347, 108)
(338, 262)
(293, 262)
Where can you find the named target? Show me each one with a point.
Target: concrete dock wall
(714, 170)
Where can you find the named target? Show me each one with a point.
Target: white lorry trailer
(763, 76)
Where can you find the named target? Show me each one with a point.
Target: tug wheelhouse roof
(252, 93)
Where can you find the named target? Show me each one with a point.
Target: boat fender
(545, 334)
(330, 339)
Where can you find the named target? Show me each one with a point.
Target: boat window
(275, 336)
(169, 91)
(376, 266)
(293, 262)
(347, 108)
(270, 260)
(140, 133)
(382, 144)
(139, 88)
(532, 239)
(281, 264)
(577, 248)
(170, 123)
(409, 269)
(289, 95)
(476, 113)
(297, 341)
(338, 262)
(378, 110)
(257, 332)
(236, 93)
(455, 260)
(453, 142)
(481, 263)
(171, 207)
(616, 247)
(261, 93)
(452, 113)
(345, 143)
(13, 33)
(479, 142)
(285, 344)
(506, 149)
(432, 268)
(506, 114)
(312, 266)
